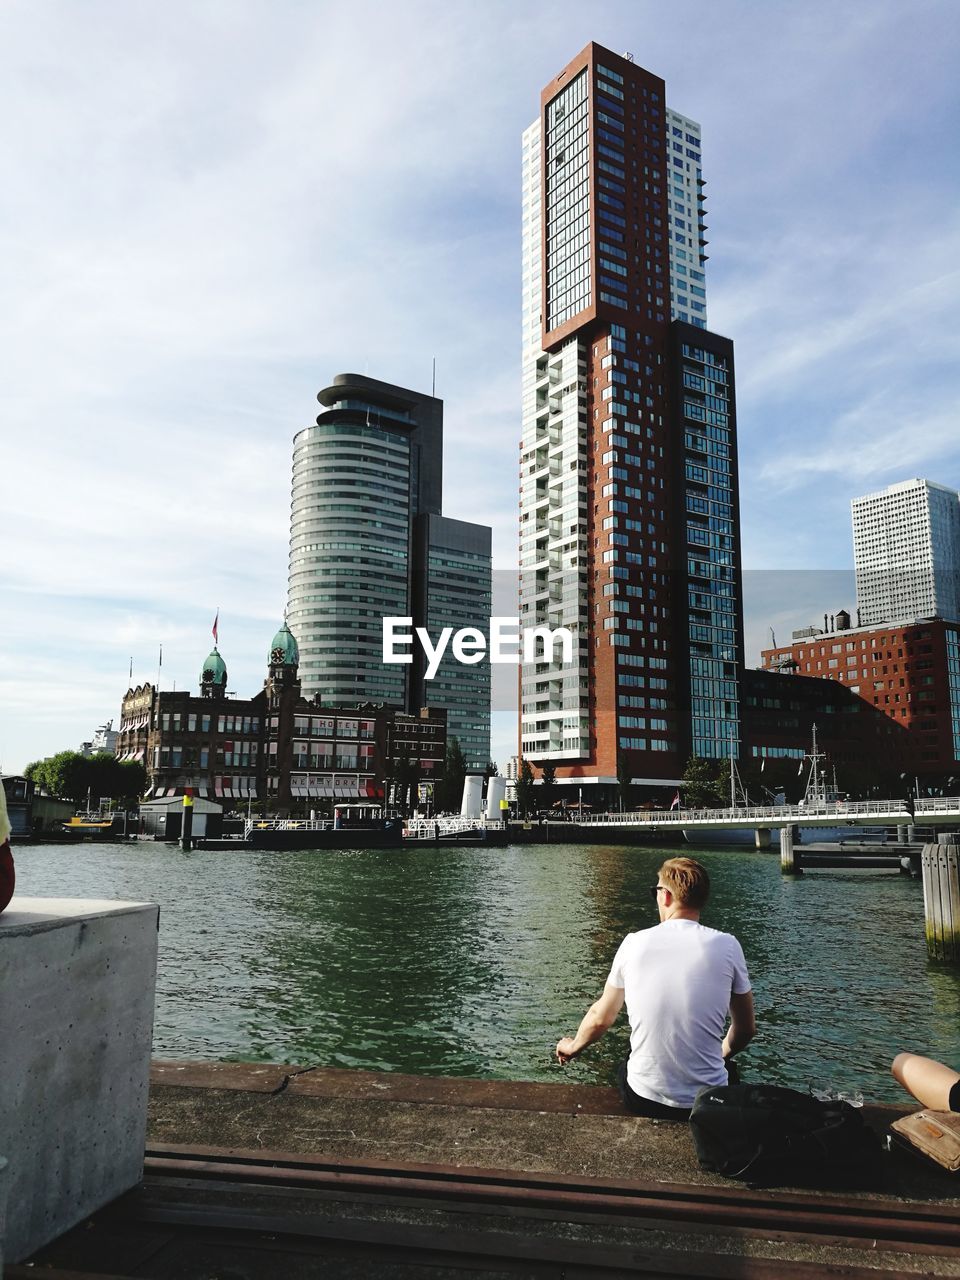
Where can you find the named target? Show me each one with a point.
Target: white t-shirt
(678, 978)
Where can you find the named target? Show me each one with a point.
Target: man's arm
(599, 1018)
(743, 1024)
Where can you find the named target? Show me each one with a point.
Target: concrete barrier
(77, 982)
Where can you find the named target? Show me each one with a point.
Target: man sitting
(680, 980)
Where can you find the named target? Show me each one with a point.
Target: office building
(368, 541)
(906, 549)
(907, 674)
(629, 504)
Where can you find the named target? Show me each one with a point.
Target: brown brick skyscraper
(629, 528)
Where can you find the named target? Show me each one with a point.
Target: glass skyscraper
(367, 541)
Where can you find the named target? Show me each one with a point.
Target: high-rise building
(629, 529)
(906, 551)
(367, 541)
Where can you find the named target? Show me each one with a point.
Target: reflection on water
(474, 961)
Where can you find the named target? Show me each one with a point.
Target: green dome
(214, 669)
(283, 648)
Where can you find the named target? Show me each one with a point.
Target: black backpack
(766, 1131)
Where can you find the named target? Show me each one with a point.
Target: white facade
(906, 548)
(688, 289)
(553, 501)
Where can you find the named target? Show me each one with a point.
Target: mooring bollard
(940, 867)
(789, 862)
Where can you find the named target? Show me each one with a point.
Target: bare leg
(930, 1082)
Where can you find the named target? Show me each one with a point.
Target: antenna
(628, 56)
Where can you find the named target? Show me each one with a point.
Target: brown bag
(935, 1134)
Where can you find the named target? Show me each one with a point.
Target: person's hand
(566, 1050)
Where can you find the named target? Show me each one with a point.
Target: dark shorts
(8, 877)
(639, 1106)
(953, 1101)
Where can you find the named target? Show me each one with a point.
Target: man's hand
(598, 1018)
(566, 1049)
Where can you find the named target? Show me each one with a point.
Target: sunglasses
(657, 888)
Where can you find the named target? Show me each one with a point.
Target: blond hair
(687, 880)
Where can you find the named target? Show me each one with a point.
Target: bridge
(934, 811)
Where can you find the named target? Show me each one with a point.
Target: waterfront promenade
(363, 1173)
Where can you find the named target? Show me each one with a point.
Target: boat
(353, 826)
(454, 830)
(818, 797)
(90, 827)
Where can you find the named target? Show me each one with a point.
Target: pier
(258, 1170)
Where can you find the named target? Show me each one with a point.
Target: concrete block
(77, 983)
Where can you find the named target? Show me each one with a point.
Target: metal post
(940, 867)
(789, 861)
(186, 829)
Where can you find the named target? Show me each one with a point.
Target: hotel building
(629, 528)
(367, 541)
(906, 550)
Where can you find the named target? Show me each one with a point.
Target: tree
(65, 776)
(491, 770)
(525, 788)
(449, 790)
(624, 787)
(548, 785)
(72, 776)
(405, 776)
(698, 786)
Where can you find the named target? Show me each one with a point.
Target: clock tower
(213, 676)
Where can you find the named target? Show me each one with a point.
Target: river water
(473, 961)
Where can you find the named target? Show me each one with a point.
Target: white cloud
(211, 210)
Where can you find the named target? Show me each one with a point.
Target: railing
(938, 804)
(287, 824)
(758, 814)
(429, 828)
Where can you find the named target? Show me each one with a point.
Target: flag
(216, 639)
(675, 802)
(800, 769)
(763, 764)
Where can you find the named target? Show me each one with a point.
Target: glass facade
(568, 203)
(953, 678)
(459, 595)
(349, 548)
(710, 506)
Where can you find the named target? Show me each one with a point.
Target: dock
(255, 1171)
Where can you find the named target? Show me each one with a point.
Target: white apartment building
(906, 549)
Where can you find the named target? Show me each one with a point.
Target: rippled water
(474, 961)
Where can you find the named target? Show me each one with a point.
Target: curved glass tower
(365, 514)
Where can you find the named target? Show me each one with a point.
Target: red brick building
(278, 750)
(907, 674)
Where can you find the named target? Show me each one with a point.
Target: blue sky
(210, 209)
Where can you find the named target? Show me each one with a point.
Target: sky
(209, 209)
